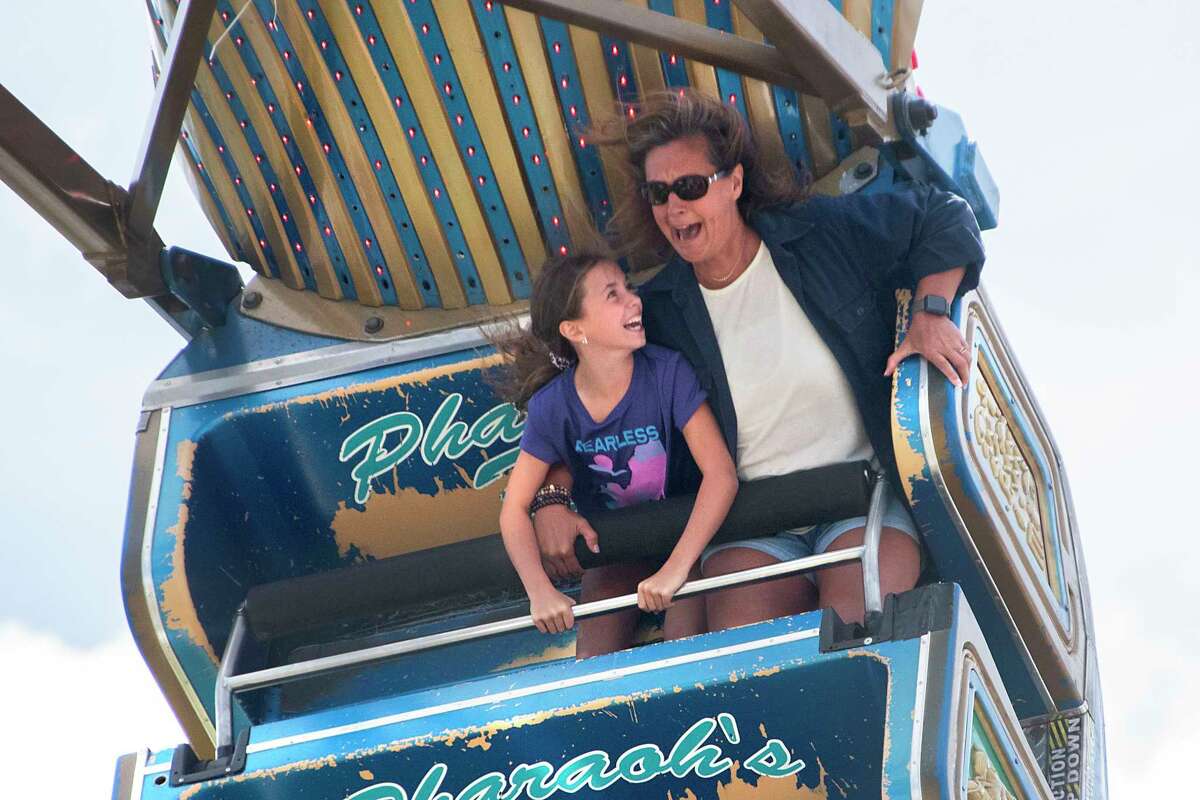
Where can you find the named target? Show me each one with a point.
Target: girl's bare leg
(686, 617)
(744, 605)
(611, 632)
(899, 567)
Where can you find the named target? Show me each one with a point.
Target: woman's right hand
(556, 527)
(551, 611)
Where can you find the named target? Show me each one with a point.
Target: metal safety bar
(228, 683)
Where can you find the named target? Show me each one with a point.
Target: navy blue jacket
(842, 258)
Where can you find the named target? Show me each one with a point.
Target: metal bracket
(942, 155)
(205, 285)
(187, 768)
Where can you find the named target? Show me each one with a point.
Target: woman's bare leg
(611, 632)
(686, 617)
(744, 605)
(842, 587)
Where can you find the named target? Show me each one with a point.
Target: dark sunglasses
(688, 187)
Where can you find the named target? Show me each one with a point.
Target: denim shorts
(803, 542)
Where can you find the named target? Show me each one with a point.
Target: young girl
(604, 404)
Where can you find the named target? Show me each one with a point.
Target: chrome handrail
(228, 683)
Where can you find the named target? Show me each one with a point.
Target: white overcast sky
(1086, 113)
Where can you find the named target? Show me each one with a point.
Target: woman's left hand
(938, 339)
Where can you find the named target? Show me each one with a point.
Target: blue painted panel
(673, 66)
(565, 72)
(760, 696)
(240, 340)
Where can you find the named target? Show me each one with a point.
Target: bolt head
(252, 299)
(864, 170)
(868, 640)
(373, 325)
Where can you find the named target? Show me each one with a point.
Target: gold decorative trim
(996, 446)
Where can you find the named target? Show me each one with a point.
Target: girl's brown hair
(665, 117)
(557, 296)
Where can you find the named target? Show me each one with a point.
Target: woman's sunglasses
(688, 187)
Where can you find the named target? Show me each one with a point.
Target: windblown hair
(665, 117)
(557, 296)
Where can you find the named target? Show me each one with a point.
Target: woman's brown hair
(665, 117)
(557, 296)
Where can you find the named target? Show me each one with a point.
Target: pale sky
(1085, 113)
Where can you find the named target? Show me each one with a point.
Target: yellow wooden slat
(601, 102)
(700, 76)
(427, 103)
(474, 70)
(252, 180)
(208, 204)
(858, 14)
(315, 160)
(760, 106)
(906, 15)
(403, 164)
(298, 207)
(527, 41)
(357, 163)
(647, 67)
(223, 183)
(818, 133)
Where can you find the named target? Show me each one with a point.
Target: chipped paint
(176, 606)
(392, 524)
(481, 742)
(887, 711)
(366, 774)
(451, 738)
(551, 653)
(766, 671)
(906, 433)
(770, 788)
(273, 773)
(342, 395)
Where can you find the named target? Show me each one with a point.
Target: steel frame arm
(166, 115)
(673, 35)
(77, 200)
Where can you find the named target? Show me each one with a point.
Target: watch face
(935, 304)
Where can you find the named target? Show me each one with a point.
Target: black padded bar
(646, 531)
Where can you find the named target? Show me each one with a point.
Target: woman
(785, 308)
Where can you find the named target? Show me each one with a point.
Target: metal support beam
(188, 38)
(670, 34)
(77, 200)
(842, 65)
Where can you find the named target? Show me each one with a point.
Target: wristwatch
(934, 304)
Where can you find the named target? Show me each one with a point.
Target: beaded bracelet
(550, 495)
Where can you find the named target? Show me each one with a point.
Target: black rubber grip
(646, 531)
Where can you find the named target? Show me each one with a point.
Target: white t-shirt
(795, 409)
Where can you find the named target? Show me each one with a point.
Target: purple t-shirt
(621, 460)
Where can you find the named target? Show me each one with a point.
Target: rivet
(373, 325)
(252, 300)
